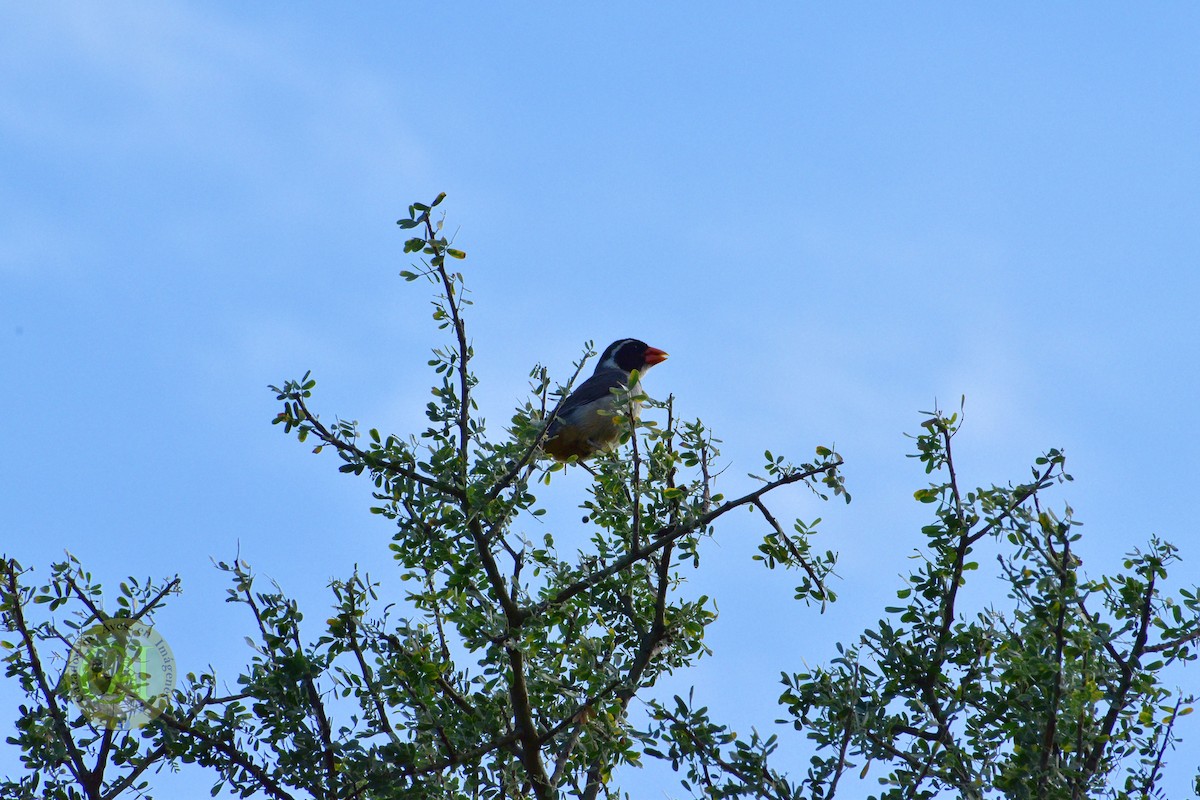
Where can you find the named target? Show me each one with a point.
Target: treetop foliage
(499, 662)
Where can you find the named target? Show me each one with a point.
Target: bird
(585, 424)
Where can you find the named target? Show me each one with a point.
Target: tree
(510, 669)
(1061, 695)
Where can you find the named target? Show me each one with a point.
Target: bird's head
(630, 354)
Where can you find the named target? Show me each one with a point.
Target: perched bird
(585, 425)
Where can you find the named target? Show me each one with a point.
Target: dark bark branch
(508, 742)
(636, 472)
(765, 785)
(1060, 569)
(1117, 703)
(94, 780)
(323, 726)
(1049, 747)
(671, 533)
(372, 461)
(920, 733)
(1043, 481)
(650, 646)
(118, 787)
(368, 677)
(513, 613)
(921, 769)
(158, 598)
(1182, 640)
(579, 718)
(97, 613)
(838, 771)
(960, 556)
(241, 760)
(564, 755)
(253, 604)
(965, 540)
(526, 728)
(75, 758)
(437, 617)
(947, 435)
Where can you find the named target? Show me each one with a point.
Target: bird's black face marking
(624, 354)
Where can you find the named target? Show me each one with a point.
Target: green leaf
(927, 495)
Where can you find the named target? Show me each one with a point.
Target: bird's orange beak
(654, 356)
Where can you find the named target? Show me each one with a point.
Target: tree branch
(368, 677)
(1049, 748)
(1040, 482)
(268, 784)
(515, 468)
(158, 598)
(1117, 703)
(671, 533)
(318, 708)
(74, 757)
(464, 352)
(795, 551)
(531, 745)
(371, 460)
(766, 785)
(1148, 786)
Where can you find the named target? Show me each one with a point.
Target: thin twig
(370, 459)
(464, 350)
(1152, 778)
(158, 598)
(795, 551)
(532, 450)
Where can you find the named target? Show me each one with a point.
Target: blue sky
(830, 216)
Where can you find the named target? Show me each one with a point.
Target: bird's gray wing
(597, 387)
